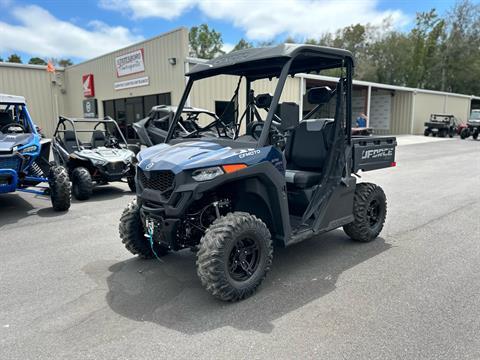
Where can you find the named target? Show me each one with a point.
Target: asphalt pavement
(70, 290)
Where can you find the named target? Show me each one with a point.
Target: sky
(83, 29)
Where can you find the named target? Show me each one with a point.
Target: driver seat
(306, 151)
(98, 139)
(70, 141)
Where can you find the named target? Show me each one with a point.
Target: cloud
(227, 47)
(266, 19)
(40, 33)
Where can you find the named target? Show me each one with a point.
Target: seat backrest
(98, 139)
(5, 118)
(70, 141)
(307, 146)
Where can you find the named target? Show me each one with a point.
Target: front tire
(426, 132)
(369, 211)
(475, 135)
(132, 234)
(60, 188)
(465, 133)
(234, 256)
(82, 183)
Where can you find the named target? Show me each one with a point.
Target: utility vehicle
(473, 126)
(283, 181)
(24, 156)
(154, 128)
(93, 151)
(441, 125)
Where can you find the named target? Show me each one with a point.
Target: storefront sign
(88, 87)
(120, 85)
(90, 108)
(130, 63)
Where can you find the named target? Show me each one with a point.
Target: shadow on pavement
(105, 193)
(169, 293)
(13, 207)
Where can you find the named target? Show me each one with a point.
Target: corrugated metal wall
(426, 104)
(163, 76)
(43, 96)
(400, 121)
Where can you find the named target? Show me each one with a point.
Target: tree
(14, 58)
(242, 44)
(65, 62)
(205, 43)
(37, 61)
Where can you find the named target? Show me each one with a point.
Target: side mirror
(263, 101)
(319, 95)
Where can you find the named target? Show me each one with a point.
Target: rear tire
(464, 133)
(234, 256)
(132, 234)
(82, 183)
(475, 135)
(60, 188)
(369, 211)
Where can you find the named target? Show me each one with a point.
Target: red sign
(88, 88)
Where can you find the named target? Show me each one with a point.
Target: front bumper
(8, 180)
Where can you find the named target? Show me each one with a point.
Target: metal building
(126, 83)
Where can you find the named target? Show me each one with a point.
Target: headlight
(207, 173)
(29, 149)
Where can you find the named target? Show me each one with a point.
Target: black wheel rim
(374, 213)
(243, 259)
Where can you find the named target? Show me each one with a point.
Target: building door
(134, 112)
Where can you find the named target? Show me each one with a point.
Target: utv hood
(106, 155)
(9, 141)
(198, 154)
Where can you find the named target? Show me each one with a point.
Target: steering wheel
(11, 125)
(112, 142)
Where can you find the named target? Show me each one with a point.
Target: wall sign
(120, 85)
(90, 108)
(130, 63)
(88, 87)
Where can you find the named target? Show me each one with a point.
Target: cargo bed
(373, 152)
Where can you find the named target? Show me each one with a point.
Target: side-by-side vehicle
(275, 180)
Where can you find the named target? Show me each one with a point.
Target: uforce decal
(248, 153)
(377, 153)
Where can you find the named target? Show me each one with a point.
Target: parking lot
(69, 289)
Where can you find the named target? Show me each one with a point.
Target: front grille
(161, 180)
(115, 167)
(11, 162)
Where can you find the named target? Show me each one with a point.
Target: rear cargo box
(373, 152)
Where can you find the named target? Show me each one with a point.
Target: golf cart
(281, 182)
(473, 126)
(441, 125)
(93, 150)
(154, 128)
(24, 156)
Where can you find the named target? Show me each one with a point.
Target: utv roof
(11, 99)
(256, 63)
(186, 109)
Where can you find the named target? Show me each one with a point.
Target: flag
(50, 67)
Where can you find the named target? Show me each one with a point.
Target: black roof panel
(266, 62)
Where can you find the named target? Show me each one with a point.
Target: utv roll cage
(274, 62)
(62, 120)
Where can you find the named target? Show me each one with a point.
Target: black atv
(154, 128)
(473, 126)
(93, 151)
(441, 125)
(280, 182)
